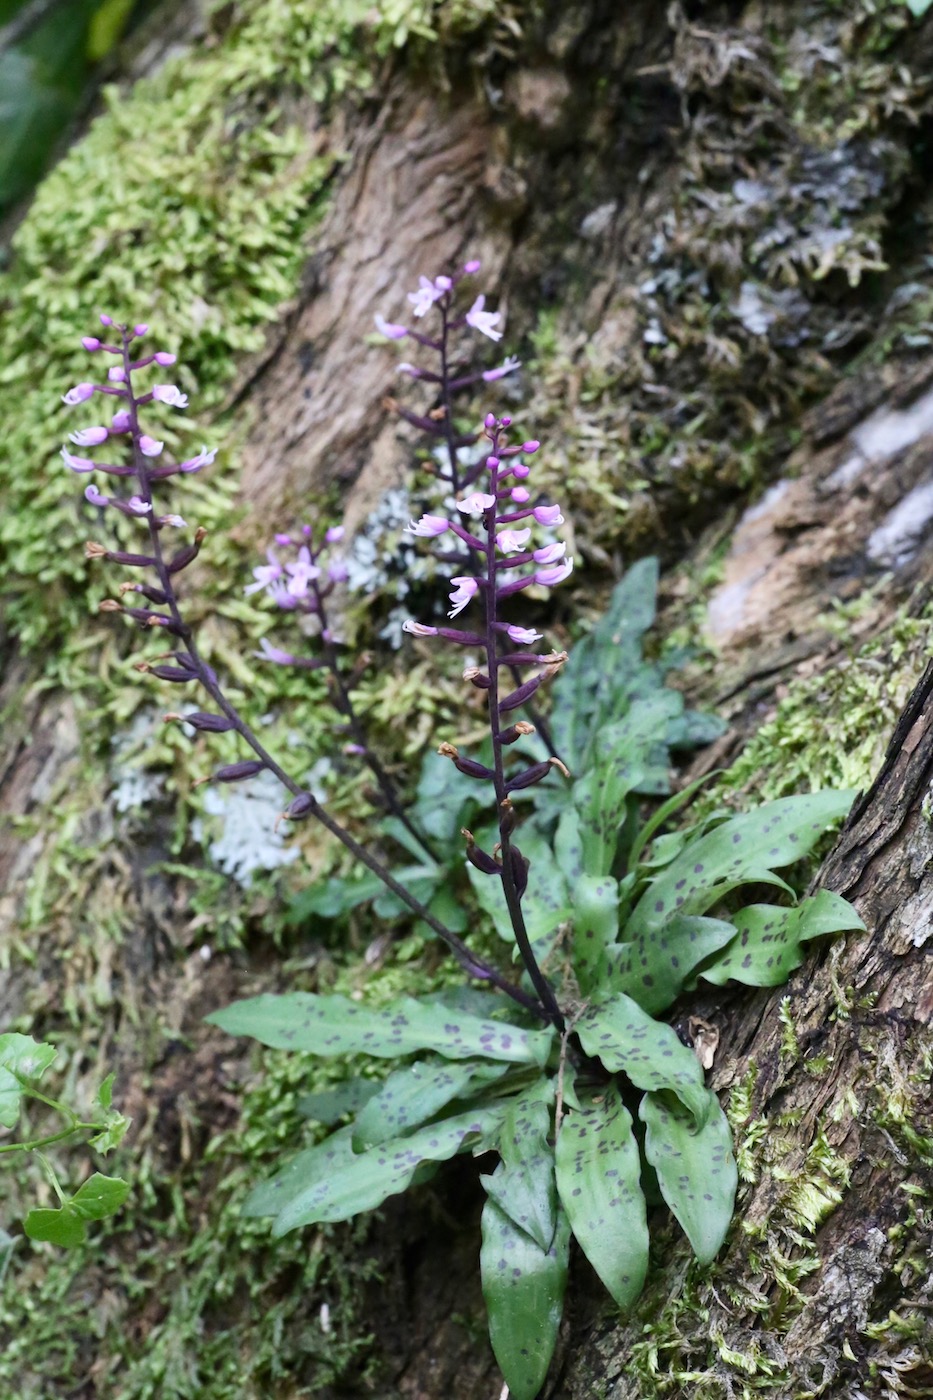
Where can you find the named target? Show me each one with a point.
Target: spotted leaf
(546, 905)
(595, 927)
(598, 1170)
(768, 940)
(745, 849)
(334, 1025)
(696, 1170)
(411, 1096)
(524, 1185)
(523, 1286)
(627, 1040)
(655, 969)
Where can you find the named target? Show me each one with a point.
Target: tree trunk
(708, 230)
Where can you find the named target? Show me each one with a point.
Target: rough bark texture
(571, 166)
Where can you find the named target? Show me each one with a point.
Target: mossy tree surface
(704, 224)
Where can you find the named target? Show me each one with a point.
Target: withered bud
(448, 750)
(523, 727)
(109, 605)
(515, 731)
(560, 766)
(476, 677)
(554, 658)
(93, 550)
(438, 414)
(506, 817)
(200, 535)
(389, 404)
(481, 859)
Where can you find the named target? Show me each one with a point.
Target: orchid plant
(558, 1064)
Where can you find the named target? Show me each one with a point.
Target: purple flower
(141, 329)
(265, 575)
(78, 464)
(79, 394)
(427, 294)
(106, 320)
(164, 357)
(523, 635)
(175, 520)
(170, 394)
(531, 446)
(476, 503)
(484, 321)
(149, 447)
(519, 495)
(472, 266)
(303, 572)
(203, 459)
(271, 653)
(337, 571)
(508, 366)
(116, 374)
(420, 629)
(121, 422)
(464, 591)
(549, 554)
(546, 515)
(428, 525)
(520, 471)
(334, 534)
(512, 541)
(139, 507)
(389, 329)
(89, 437)
(90, 342)
(92, 494)
(550, 577)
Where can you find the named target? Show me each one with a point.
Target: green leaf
(105, 1092)
(116, 1126)
(443, 798)
(410, 1096)
(744, 849)
(64, 1227)
(767, 943)
(655, 969)
(100, 1196)
(696, 1170)
(7, 1245)
(334, 1025)
(352, 1182)
(523, 1185)
(918, 8)
(330, 1105)
(21, 1057)
(523, 1286)
(314, 1164)
(598, 1171)
(546, 905)
(595, 927)
(628, 1041)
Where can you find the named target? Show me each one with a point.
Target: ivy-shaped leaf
(696, 1170)
(350, 1183)
(598, 1171)
(523, 1185)
(21, 1057)
(628, 1041)
(334, 1025)
(744, 849)
(100, 1196)
(64, 1227)
(410, 1096)
(523, 1286)
(767, 945)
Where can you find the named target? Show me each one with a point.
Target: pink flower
(106, 320)
(427, 294)
(508, 366)
(149, 447)
(476, 503)
(389, 329)
(77, 464)
(512, 541)
(302, 573)
(271, 653)
(141, 329)
(546, 515)
(549, 554)
(337, 571)
(89, 437)
(79, 394)
(116, 374)
(550, 577)
(472, 266)
(92, 494)
(121, 422)
(428, 525)
(138, 506)
(419, 629)
(163, 357)
(175, 520)
(531, 446)
(519, 495)
(464, 591)
(203, 459)
(334, 534)
(170, 394)
(484, 321)
(520, 471)
(265, 575)
(90, 342)
(523, 635)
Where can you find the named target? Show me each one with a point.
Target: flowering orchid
(427, 294)
(484, 321)
(464, 591)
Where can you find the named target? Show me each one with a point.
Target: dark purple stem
(474, 966)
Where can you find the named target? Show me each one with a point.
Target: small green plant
(560, 1064)
(23, 1061)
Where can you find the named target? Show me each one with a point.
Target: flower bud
(90, 342)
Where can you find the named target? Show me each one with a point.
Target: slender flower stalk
(185, 662)
(504, 553)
